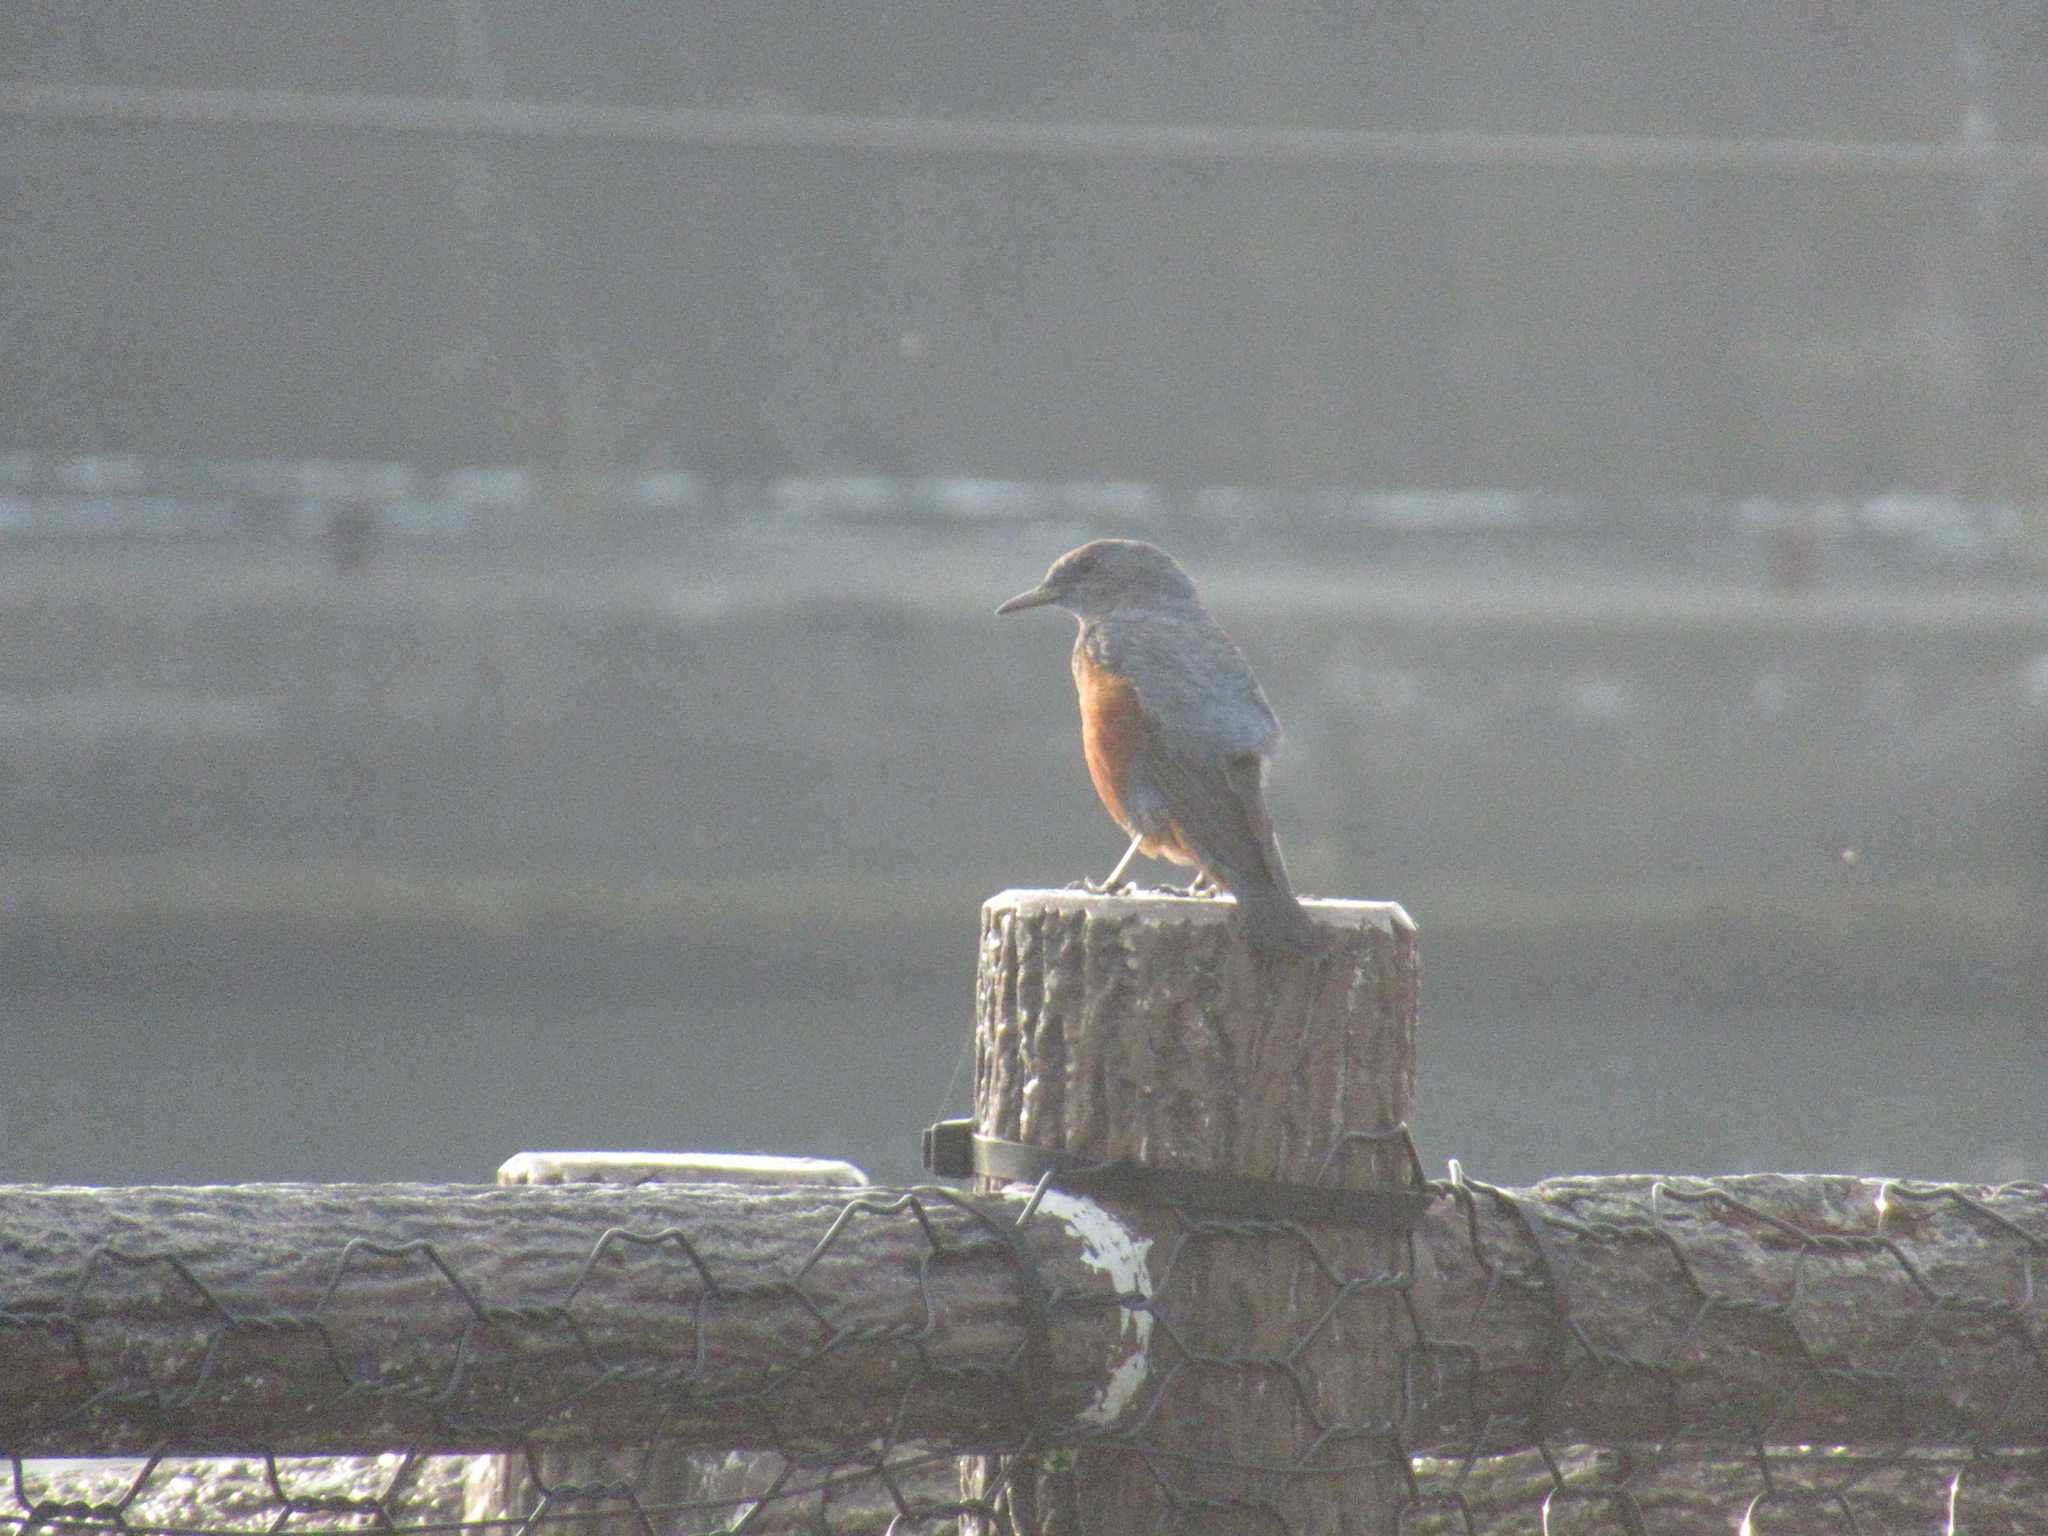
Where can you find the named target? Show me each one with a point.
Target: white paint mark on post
(1109, 1248)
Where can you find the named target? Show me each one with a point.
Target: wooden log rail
(343, 1319)
(1761, 1309)
(329, 1319)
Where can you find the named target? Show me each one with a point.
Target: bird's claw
(1103, 887)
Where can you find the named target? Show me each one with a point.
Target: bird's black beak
(1037, 597)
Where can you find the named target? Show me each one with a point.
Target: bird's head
(1106, 575)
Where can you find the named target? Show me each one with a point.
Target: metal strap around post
(952, 1149)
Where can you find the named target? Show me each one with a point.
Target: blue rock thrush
(1175, 729)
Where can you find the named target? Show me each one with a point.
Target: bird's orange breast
(1112, 737)
(1112, 730)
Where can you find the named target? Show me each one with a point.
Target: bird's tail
(1274, 921)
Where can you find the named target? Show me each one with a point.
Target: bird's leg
(1114, 882)
(1204, 884)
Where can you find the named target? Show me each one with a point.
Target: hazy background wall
(381, 818)
(476, 298)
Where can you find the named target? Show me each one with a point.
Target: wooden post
(503, 1487)
(1145, 1028)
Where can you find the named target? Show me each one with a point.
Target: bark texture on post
(506, 1487)
(1145, 1028)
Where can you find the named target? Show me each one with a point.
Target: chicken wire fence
(1928, 1307)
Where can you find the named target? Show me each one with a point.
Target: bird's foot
(1201, 885)
(1104, 888)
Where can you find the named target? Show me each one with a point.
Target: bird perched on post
(1174, 727)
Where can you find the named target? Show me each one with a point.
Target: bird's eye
(1084, 565)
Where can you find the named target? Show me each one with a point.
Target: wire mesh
(1754, 1311)
(1905, 1313)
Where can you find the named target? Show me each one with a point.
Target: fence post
(503, 1487)
(1144, 1028)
